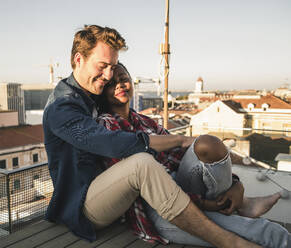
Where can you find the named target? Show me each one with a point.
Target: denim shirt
(74, 141)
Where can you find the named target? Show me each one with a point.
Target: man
(85, 197)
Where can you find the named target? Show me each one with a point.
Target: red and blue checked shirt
(136, 216)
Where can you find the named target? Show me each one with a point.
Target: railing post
(8, 202)
(190, 130)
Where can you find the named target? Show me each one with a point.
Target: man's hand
(162, 143)
(234, 196)
(187, 141)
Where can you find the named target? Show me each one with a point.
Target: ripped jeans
(210, 180)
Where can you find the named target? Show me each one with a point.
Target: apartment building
(260, 124)
(8, 118)
(22, 146)
(262, 112)
(12, 98)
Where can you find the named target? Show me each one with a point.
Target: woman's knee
(209, 148)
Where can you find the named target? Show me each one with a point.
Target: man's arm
(70, 121)
(165, 142)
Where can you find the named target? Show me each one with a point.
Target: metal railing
(24, 196)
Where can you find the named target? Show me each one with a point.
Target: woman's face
(119, 91)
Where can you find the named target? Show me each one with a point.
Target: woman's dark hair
(123, 66)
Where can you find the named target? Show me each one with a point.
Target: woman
(145, 221)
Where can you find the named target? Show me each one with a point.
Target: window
(265, 106)
(287, 129)
(35, 177)
(15, 162)
(35, 158)
(16, 184)
(251, 106)
(3, 164)
(12, 91)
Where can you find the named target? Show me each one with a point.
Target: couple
(88, 195)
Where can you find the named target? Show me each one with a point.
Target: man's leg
(259, 230)
(112, 192)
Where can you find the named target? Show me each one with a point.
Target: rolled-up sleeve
(69, 120)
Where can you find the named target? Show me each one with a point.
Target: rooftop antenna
(165, 51)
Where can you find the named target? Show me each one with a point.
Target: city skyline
(230, 44)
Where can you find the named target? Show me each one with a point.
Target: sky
(231, 44)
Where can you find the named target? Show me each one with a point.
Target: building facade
(21, 146)
(12, 98)
(8, 118)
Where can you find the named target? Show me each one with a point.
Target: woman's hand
(210, 205)
(235, 197)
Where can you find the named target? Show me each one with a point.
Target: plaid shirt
(136, 216)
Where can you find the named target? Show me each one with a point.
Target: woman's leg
(259, 230)
(205, 171)
(205, 168)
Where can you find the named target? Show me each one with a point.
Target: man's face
(94, 72)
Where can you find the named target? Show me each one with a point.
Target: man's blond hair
(86, 39)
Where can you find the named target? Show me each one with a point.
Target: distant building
(199, 85)
(199, 92)
(218, 117)
(284, 162)
(145, 100)
(266, 112)
(267, 116)
(21, 146)
(12, 98)
(8, 118)
(136, 102)
(257, 112)
(283, 92)
(36, 95)
(151, 102)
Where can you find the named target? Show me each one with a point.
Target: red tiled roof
(273, 101)
(20, 136)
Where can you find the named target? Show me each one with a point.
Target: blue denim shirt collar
(90, 100)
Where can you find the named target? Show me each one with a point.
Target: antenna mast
(165, 49)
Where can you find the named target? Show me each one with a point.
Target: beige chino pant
(112, 192)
